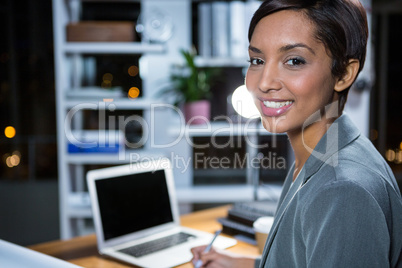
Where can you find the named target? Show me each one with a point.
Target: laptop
(136, 216)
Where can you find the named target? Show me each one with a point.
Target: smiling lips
(275, 108)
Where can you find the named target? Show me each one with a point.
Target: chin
(271, 127)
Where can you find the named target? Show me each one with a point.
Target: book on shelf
(223, 28)
(220, 29)
(94, 92)
(250, 8)
(94, 141)
(205, 29)
(101, 31)
(238, 30)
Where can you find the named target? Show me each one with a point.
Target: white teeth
(276, 104)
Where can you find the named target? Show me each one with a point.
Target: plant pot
(197, 112)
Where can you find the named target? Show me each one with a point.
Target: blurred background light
(106, 84)
(390, 155)
(9, 132)
(243, 103)
(133, 93)
(133, 70)
(107, 77)
(398, 157)
(15, 160)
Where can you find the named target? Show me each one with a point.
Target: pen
(198, 264)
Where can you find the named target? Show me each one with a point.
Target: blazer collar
(340, 133)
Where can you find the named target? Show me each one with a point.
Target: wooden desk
(83, 251)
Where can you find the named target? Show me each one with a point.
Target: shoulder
(347, 195)
(357, 177)
(358, 167)
(342, 215)
(361, 157)
(354, 191)
(353, 185)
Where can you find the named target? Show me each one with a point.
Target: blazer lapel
(282, 208)
(340, 133)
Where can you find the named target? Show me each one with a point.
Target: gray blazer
(343, 210)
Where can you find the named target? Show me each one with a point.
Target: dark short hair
(341, 25)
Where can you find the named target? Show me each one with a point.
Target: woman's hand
(220, 259)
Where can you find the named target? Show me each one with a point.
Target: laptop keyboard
(156, 245)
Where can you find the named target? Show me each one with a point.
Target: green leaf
(191, 83)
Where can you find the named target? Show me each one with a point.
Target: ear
(349, 77)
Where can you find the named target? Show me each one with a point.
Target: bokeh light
(106, 84)
(15, 160)
(9, 132)
(398, 157)
(107, 77)
(8, 162)
(133, 93)
(133, 70)
(12, 160)
(243, 103)
(390, 155)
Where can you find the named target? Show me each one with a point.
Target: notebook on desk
(136, 216)
(15, 256)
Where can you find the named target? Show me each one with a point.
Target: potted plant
(191, 86)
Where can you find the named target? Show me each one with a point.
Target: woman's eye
(295, 62)
(256, 61)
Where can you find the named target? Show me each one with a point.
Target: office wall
(29, 212)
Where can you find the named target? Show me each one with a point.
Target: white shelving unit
(115, 48)
(155, 61)
(165, 133)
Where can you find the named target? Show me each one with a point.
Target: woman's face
(290, 71)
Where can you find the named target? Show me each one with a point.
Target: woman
(340, 205)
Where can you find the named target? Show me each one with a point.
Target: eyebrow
(254, 49)
(285, 48)
(292, 46)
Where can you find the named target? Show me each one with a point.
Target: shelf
(105, 158)
(112, 47)
(134, 1)
(80, 204)
(82, 212)
(74, 67)
(119, 103)
(223, 193)
(220, 129)
(221, 62)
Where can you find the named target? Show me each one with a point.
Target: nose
(270, 78)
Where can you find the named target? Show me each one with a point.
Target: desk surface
(83, 251)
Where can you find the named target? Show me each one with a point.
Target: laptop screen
(133, 202)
